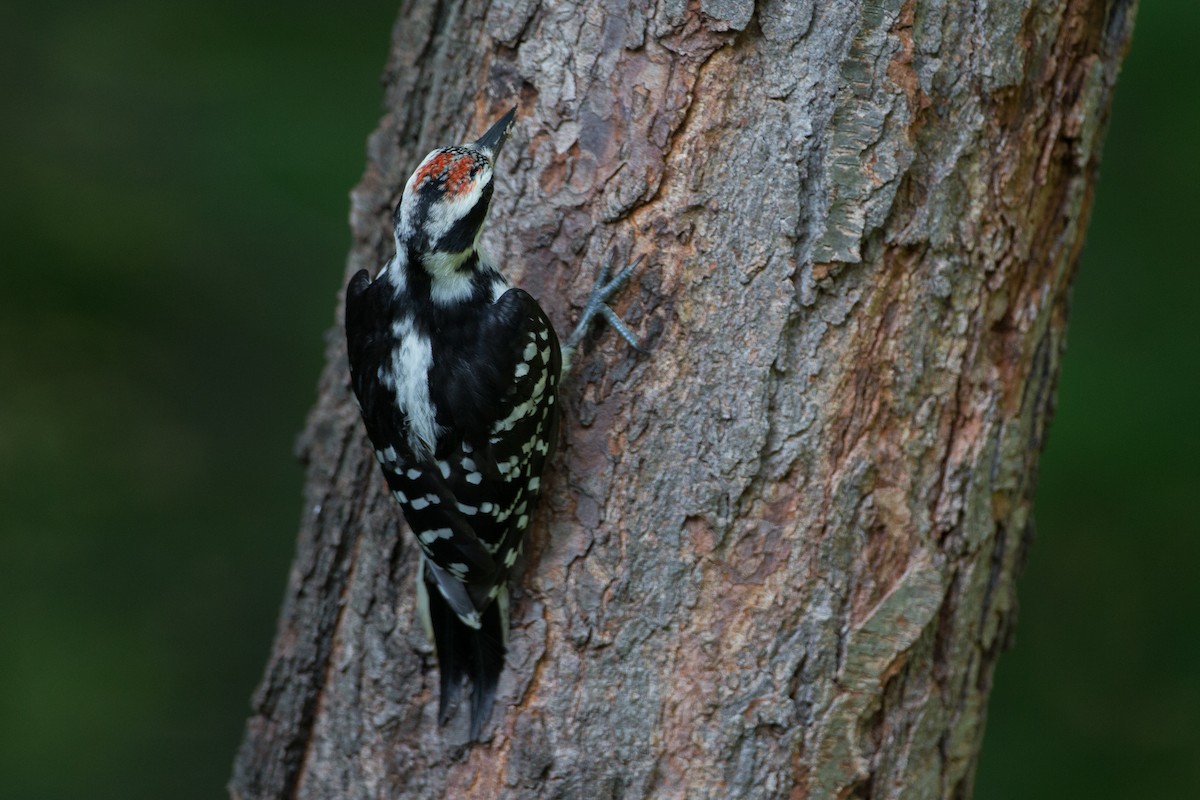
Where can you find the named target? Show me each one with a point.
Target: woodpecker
(457, 377)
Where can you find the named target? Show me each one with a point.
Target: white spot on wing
(540, 386)
(429, 537)
(519, 412)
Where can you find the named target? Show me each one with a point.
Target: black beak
(491, 142)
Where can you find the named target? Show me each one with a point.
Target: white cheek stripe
(444, 213)
(449, 284)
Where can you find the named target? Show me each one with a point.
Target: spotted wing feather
(470, 503)
(494, 472)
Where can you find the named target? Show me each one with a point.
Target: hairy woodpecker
(457, 379)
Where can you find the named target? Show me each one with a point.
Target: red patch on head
(453, 170)
(433, 167)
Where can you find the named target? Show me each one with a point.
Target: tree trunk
(776, 558)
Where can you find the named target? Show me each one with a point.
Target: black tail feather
(462, 651)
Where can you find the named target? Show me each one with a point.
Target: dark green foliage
(173, 220)
(1101, 694)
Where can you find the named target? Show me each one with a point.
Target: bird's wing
(488, 480)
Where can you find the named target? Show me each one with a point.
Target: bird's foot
(597, 303)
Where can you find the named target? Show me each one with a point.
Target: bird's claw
(597, 303)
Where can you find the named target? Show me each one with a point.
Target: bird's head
(441, 213)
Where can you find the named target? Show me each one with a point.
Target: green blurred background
(173, 222)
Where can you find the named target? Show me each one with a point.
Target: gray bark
(776, 558)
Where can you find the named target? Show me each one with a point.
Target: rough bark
(777, 557)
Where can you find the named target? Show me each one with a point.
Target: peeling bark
(777, 558)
